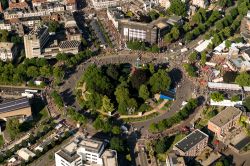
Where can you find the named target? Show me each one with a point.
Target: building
(35, 41)
(84, 151)
(71, 5)
(73, 33)
(192, 145)
(152, 32)
(200, 3)
(165, 3)
(222, 123)
(173, 160)
(8, 51)
(102, 4)
(72, 47)
(110, 158)
(25, 154)
(175, 20)
(15, 108)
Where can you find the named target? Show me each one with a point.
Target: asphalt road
(183, 93)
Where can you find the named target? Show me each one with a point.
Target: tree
(155, 49)
(159, 81)
(175, 33)
(4, 35)
(190, 69)
(58, 74)
(187, 27)
(143, 92)
(235, 98)
(246, 103)
(112, 71)
(116, 130)
(228, 43)
(219, 163)
(62, 57)
(203, 58)
(217, 96)
(193, 57)
(225, 3)
(153, 15)
(45, 71)
(153, 127)
(117, 144)
(12, 127)
(161, 146)
(178, 7)
(121, 93)
(243, 79)
(57, 99)
(107, 106)
(33, 72)
(138, 78)
(98, 123)
(53, 26)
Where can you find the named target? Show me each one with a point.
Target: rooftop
(225, 116)
(110, 158)
(14, 105)
(38, 31)
(191, 140)
(69, 44)
(91, 144)
(6, 45)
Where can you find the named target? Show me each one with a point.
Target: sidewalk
(156, 109)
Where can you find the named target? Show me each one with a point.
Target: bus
(31, 91)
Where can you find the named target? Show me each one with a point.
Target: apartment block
(8, 51)
(85, 151)
(192, 145)
(102, 4)
(35, 41)
(223, 122)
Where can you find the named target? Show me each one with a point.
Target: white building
(165, 3)
(83, 151)
(25, 154)
(200, 3)
(101, 4)
(8, 51)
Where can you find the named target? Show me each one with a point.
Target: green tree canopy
(160, 81)
(143, 92)
(12, 127)
(178, 7)
(107, 106)
(217, 96)
(246, 103)
(117, 144)
(116, 130)
(243, 79)
(161, 146)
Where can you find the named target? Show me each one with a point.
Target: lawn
(1, 141)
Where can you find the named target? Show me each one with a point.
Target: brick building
(223, 122)
(192, 145)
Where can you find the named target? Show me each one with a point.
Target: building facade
(8, 51)
(223, 122)
(102, 4)
(35, 41)
(84, 151)
(200, 3)
(192, 145)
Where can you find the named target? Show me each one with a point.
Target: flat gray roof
(225, 116)
(14, 105)
(191, 140)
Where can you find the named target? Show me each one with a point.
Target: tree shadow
(176, 76)
(68, 97)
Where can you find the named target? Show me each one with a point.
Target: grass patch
(1, 141)
(166, 106)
